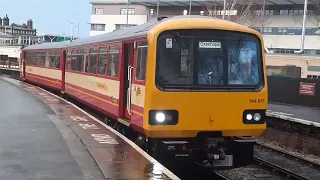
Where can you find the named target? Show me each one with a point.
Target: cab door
(138, 82)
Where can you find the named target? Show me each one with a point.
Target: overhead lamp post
(190, 1)
(224, 8)
(263, 14)
(305, 10)
(128, 13)
(158, 4)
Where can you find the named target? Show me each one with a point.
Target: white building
(280, 24)
(109, 15)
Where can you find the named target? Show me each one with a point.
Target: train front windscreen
(208, 59)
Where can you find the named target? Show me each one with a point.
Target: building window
(98, 27)
(228, 12)
(123, 11)
(267, 30)
(98, 11)
(314, 68)
(122, 26)
(284, 12)
(268, 12)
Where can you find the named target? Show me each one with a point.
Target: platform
(296, 113)
(46, 137)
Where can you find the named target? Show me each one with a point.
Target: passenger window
(52, 60)
(113, 61)
(35, 59)
(58, 60)
(47, 60)
(141, 61)
(68, 60)
(85, 60)
(27, 58)
(93, 61)
(79, 60)
(43, 59)
(73, 60)
(102, 60)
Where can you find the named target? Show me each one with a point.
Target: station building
(280, 24)
(13, 37)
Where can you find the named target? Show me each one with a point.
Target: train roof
(130, 32)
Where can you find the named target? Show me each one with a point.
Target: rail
(278, 168)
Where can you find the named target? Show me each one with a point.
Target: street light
(224, 8)
(128, 12)
(72, 28)
(71, 38)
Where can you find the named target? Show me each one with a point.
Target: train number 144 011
(256, 100)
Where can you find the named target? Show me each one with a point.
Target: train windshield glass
(208, 59)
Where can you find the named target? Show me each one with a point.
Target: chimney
(5, 21)
(30, 24)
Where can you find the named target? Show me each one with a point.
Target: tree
(246, 13)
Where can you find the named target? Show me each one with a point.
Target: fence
(298, 91)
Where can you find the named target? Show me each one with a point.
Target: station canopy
(152, 3)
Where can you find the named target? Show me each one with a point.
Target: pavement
(44, 137)
(300, 114)
(33, 144)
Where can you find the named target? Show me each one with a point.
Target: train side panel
(98, 92)
(44, 76)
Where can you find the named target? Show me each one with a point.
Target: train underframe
(208, 149)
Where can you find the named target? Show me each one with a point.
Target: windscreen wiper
(236, 52)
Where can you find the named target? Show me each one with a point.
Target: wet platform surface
(37, 149)
(295, 111)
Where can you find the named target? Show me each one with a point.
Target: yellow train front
(206, 86)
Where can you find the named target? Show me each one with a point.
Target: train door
(63, 68)
(128, 66)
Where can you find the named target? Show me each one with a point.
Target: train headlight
(163, 117)
(249, 117)
(257, 116)
(254, 116)
(160, 117)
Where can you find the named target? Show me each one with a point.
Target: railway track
(285, 163)
(272, 163)
(279, 169)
